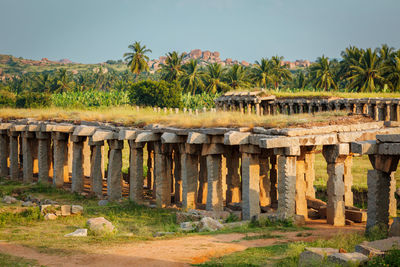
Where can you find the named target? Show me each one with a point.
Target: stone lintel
(133, 144)
(18, 128)
(364, 147)
(5, 126)
(63, 128)
(116, 144)
(46, 127)
(127, 134)
(389, 149)
(388, 138)
(101, 135)
(236, 138)
(77, 139)
(212, 149)
(84, 130)
(172, 138)
(318, 140)
(288, 151)
(348, 137)
(34, 127)
(60, 136)
(147, 137)
(198, 138)
(254, 139)
(250, 149)
(277, 142)
(190, 149)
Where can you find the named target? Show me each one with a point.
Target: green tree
(236, 77)
(137, 60)
(171, 71)
(279, 71)
(261, 73)
(393, 74)
(64, 81)
(367, 75)
(322, 74)
(213, 79)
(191, 78)
(42, 82)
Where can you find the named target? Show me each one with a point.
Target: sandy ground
(173, 252)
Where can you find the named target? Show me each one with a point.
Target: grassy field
(8, 260)
(130, 116)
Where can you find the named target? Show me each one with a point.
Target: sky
(92, 31)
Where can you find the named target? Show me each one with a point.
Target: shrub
(90, 98)
(7, 99)
(32, 100)
(156, 93)
(391, 258)
(200, 100)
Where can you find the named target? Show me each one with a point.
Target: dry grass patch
(129, 116)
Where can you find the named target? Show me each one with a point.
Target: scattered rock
(77, 232)
(349, 222)
(235, 224)
(50, 202)
(189, 226)
(209, 224)
(217, 215)
(378, 247)
(347, 258)
(76, 209)
(100, 225)
(187, 216)
(315, 203)
(394, 229)
(158, 234)
(102, 202)
(50, 216)
(9, 200)
(313, 214)
(28, 204)
(65, 210)
(313, 256)
(299, 220)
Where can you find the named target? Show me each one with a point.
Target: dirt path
(173, 252)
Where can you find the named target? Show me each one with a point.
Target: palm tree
(386, 53)
(261, 73)
(191, 78)
(213, 78)
(300, 80)
(393, 74)
(366, 75)
(137, 60)
(172, 69)
(280, 72)
(322, 73)
(42, 82)
(236, 77)
(64, 81)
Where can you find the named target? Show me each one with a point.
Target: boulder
(189, 226)
(312, 256)
(102, 202)
(347, 258)
(394, 229)
(209, 224)
(378, 247)
(77, 233)
(187, 216)
(9, 200)
(65, 210)
(50, 216)
(76, 209)
(27, 204)
(100, 225)
(217, 215)
(313, 203)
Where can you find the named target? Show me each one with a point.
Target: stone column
(392, 197)
(257, 109)
(27, 152)
(150, 166)
(398, 112)
(335, 156)
(177, 173)
(77, 177)
(86, 158)
(232, 177)
(387, 111)
(241, 109)
(348, 181)
(44, 155)
(273, 176)
(114, 174)
(265, 182)
(249, 108)
(301, 187)
(190, 175)
(162, 174)
(97, 167)
(376, 111)
(309, 160)
(250, 181)
(4, 148)
(286, 186)
(202, 192)
(290, 108)
(14, 155)
(136, 171)
(60, 169)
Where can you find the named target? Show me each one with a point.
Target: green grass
(283, 254)
(8, 260)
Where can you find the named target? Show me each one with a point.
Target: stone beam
(84, 130)
(147, 137)
(198, 138)
(364, 147)
(236, 138)
(172, 138)
(389, 149)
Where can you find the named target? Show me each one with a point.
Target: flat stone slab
(364, 147)
(172, 138)
(378, 247)
(85, 130)
(127, 134)
(389, 149)
(311, 256)
(104, 135)
(198, 138)
(347, 258)
(236, 138)
(388, 138)
(147, 137)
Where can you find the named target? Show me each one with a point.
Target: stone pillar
(286, 186)
(136, 171)
(387, 111)
(265, 182)
(150, 166)
(348, 181)
(14, 155)
(392, 197)
(86, 158)
(301, 108)
(249, 108)
(273, 176)
(257, 107)
(4, 148)
(60, 169)
(309, 160)
(310, 109)
(214, 182)
(77, 177)
(45, 157)
(177, 174)
(398, 112)
(224, 173)
(335, 156)
(250, 182)
(241, 109)
(232, 177)
(190, 175)
(27, 152)
(162, 174)
(97, 167)
(290, 108)
(301, 187)
(376, 112)
(202, 192)
(114, 174)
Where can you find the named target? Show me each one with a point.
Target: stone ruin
(255, 169)
(386, 109)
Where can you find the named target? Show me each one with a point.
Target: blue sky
(91, 31)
